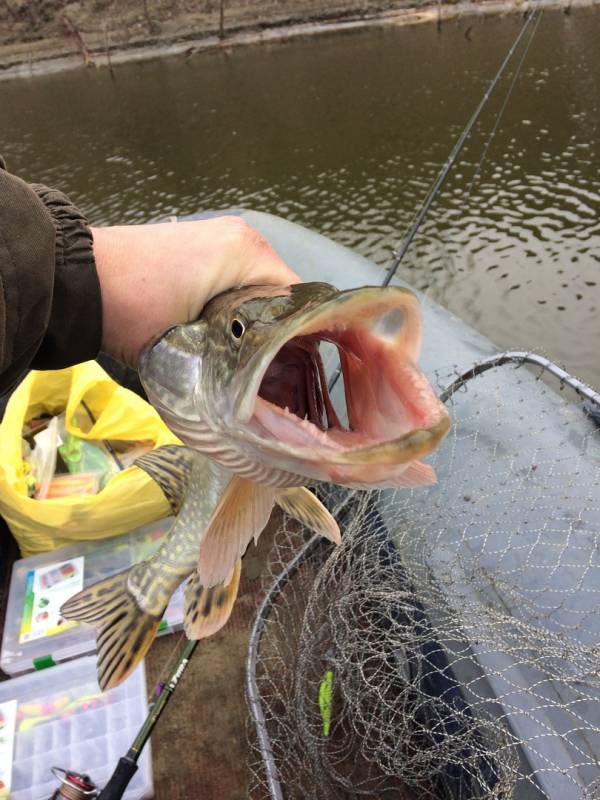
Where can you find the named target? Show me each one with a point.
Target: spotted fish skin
(207, 609)
(154, 581)
(127, 608)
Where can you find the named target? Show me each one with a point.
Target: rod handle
(124, 772)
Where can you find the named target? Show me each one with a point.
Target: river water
(344, 134)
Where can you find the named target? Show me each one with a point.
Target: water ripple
(328, 135)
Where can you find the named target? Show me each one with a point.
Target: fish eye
(237, 328)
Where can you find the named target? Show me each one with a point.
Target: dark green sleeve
(50, 302)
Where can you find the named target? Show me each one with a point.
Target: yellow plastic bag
(129, 499)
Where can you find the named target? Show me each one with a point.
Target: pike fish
(245, 389)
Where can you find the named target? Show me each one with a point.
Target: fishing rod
(78, 786)
(455, 152)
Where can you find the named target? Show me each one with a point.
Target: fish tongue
(290, 430)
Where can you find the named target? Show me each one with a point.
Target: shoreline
(47, 56)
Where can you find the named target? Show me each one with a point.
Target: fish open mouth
(393, 415)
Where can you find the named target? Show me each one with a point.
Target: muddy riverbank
(43, 37)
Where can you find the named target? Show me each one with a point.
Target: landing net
(450, 647)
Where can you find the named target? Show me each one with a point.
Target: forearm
(74, 330)
(67, 290)
(50, 308)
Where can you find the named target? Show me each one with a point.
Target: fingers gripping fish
(245, 388)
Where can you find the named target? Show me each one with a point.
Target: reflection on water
(345, 135)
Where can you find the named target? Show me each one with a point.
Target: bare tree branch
(153, 26)
(74, 31)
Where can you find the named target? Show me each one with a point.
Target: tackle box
(35, 636)
(59, 718)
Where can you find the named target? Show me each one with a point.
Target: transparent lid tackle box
(35, 636)
(60, 718)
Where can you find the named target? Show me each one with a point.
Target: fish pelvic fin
(241, 515)
(124, 632)
(171, 467)
(301, 504)
(207, 610)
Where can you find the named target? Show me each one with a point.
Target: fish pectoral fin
(241, 515)
(124, 632)
(171, 467)
(416, 474)
(207, 610)
(303, 505)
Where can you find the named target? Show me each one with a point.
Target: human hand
(154, 276)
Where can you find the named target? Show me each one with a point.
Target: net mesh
(450, 646)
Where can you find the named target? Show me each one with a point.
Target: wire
(174, 655)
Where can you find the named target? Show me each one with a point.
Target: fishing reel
(73, 786)
(77, 786)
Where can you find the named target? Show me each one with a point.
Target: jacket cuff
(74, 332)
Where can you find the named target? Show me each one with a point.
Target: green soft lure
(325, 701)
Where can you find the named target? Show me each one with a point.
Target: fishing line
(503, 107)
(454, 153)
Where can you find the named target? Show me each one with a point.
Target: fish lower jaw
(284, 429)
